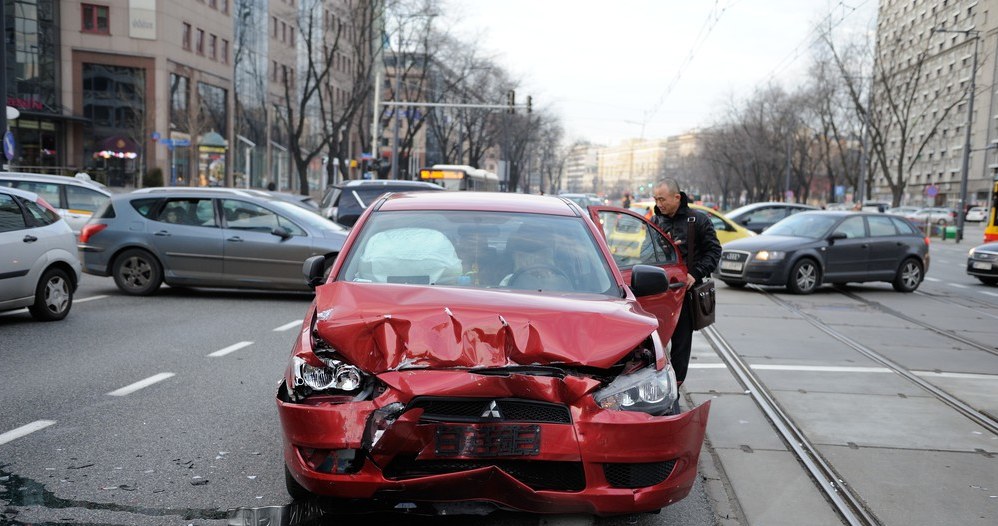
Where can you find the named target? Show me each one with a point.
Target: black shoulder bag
(702, 296)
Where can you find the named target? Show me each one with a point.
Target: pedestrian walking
(672, 215)
(626, 201)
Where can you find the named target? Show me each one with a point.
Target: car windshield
(480, 250)
(811, 226)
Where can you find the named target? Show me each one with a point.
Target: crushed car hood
(383, 327)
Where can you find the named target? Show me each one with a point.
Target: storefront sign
(142, 19)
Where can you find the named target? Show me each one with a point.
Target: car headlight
(648, 390)
(335, 376)
(769, 255)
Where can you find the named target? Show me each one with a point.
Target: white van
(75, 199)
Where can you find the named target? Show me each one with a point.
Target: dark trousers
(682, 341)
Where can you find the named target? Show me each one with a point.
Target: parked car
(806, 250)
(430, 368)
(39, 268)
(727, 230)
(760, 216)
(903, 210)
(982, 263)
(933, 216)
(977, 214)
(875, 206)
(583, 200)
(210, 237)
(75, 199)
(344, 203)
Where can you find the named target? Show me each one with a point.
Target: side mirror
(837, 235)
(281, 232)
(647, 280)
(314, 270)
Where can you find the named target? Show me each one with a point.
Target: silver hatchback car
(209, 237)
(38, 264)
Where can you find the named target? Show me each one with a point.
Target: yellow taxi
(727, 230)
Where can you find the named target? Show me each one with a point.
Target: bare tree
(891, 93)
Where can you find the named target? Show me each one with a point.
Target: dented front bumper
(530, 443)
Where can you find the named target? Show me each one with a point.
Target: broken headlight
(647, 390)
(333, 377)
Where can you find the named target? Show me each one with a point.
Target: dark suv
(343, 203)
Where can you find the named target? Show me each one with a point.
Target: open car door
(634, 240)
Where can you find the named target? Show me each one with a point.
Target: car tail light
(90, 230)
(926, 240)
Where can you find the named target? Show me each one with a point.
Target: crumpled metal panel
(382, 327)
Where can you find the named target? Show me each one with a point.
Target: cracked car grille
(482, 410)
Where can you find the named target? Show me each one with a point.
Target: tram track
(847, 505)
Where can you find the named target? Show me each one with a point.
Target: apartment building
(193, 87)
(910, 29)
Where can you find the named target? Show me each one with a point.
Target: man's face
(668, 202)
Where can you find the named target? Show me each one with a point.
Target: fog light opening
(332, 461)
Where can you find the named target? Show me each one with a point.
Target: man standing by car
(672, 215)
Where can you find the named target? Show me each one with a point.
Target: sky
(619, 69)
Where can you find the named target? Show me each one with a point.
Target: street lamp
(975, 34)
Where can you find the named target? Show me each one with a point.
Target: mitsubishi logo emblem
(492, 411)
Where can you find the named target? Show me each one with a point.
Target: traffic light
(511, 101)
(530, 102)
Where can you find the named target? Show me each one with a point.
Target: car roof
(46, 178)
(483, 201)
(389, 182)
(202, 190)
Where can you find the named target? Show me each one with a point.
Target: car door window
(903, 226)
(767, 215)
(852, 227)
(719, 224)
(79, 198)
(244, 215)
(634, 242)
(11, 218)
(881, 226)
(37, 215)
(47, 191)
(188, 211)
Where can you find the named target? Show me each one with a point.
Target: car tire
(804, 277)
(988, 281)
(734, 284)
(137, 272)
(53, 296)
(909, 276)
(296, 490)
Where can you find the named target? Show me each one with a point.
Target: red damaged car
(505, 350)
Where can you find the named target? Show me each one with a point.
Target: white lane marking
(81, 300)
(972, 376)
(995, 294)
(934, 280)
(288, 326)
(26, 429)
(957, 285)
(129, 389)
(231, 348)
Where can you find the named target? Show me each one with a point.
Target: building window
(213, 47)
(225, 6)
(95, 19)
(186, 37)
(199, 44)
(225, 51)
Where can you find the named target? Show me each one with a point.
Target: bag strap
(690, 239)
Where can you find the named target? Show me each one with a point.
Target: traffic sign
(932, 190)
(8, 145)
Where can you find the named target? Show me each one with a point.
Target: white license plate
(983, 265)
(731, 265)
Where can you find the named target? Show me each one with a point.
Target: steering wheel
(543, 277)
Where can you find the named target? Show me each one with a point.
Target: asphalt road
(160, 410)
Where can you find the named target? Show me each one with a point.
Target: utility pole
(960, 211)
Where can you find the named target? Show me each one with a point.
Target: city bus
(991, 230)
(460, 177)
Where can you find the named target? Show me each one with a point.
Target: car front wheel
(909, 276)
(137, 272)
(804, 277)
(988, 281)
(295, 490)
(53, 296)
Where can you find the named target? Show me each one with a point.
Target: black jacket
(707, 247)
